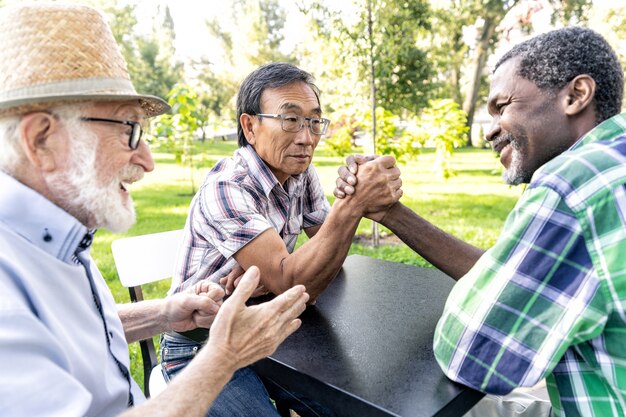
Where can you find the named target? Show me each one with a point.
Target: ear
(247, 124)
(580, 94)
(39, 136)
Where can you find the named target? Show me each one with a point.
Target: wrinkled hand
(379, 183)
(346, 181)
(244, 334)
(194, 307)
(230, 282)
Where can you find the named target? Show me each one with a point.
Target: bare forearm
(193, 391)
(444, 251)
(316, 263)
(142, 320)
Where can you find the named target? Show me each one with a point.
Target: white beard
(78, 191)
(515, 175)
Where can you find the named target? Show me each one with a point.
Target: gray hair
(553, 59)
(274, 75)
(12, 154)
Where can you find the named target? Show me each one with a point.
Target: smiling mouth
(499, 144)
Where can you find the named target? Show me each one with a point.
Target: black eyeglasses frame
(135, 134)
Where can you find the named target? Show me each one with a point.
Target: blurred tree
(216, 97)
(393, 138)
(150, 58)
(443, 124)
(256, 38)
(340, 138)
(175, 132)
(465, 32)
(401, 68)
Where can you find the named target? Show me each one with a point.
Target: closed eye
(500, 107)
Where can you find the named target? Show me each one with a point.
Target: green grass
(471, 205)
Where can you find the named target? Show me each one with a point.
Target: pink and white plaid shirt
(239, 199)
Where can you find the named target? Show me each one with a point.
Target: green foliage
(150, 58)
(402, 69)
(465, 32)
(391, 137)
(443, 124)
(570, 12)
(175, 132)
(340, 140)
(255, 38)
(216, 97)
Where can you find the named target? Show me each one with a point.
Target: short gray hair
(553, 59)
(11, 153)
(269, 76)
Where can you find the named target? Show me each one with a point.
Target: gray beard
(77, 189)
(515, 175)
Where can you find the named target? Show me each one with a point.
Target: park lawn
(471, 205)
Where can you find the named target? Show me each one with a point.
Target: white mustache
(130, 174)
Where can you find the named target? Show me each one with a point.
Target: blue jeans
(244, 395)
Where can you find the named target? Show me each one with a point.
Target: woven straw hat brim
(58, 53)
(152, 105)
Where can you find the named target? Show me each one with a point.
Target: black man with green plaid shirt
(548, 299)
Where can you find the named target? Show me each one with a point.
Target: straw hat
(57, 53)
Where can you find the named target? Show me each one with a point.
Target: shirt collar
(259, 170)
(605, 131)
(35, 218)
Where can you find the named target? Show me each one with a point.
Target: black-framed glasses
(294, 123)
(134, 136)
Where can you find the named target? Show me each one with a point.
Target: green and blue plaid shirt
(548, 300)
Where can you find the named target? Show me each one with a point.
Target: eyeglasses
(134, 136)
(293, 123)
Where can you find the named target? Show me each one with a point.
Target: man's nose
(493, 131)
(305, 136)
(143, 157)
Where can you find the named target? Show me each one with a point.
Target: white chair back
(140, 260)
(146, 258)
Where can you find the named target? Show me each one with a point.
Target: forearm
(316, 262)
(193, 391)
(444, 251)
(143, 319)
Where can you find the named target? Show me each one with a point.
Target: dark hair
(553, 59)
(274, 75)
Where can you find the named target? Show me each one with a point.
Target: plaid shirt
(240, 199)
(548, 299)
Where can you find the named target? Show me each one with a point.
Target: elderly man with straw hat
(70, 144)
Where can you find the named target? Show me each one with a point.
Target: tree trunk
(375, 231)
(478, 65)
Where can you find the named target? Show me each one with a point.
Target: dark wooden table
(365, 348)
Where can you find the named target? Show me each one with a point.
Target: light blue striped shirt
(54, 358)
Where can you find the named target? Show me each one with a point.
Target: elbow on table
(280, 283)
(489, 376)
